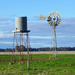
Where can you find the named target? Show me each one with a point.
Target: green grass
(39, 65)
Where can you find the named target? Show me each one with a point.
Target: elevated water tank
(21, 23)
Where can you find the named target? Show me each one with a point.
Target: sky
(41, 31)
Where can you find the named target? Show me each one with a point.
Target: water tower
(20, 33)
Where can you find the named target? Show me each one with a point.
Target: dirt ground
(38, 52)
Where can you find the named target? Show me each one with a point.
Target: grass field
(39, 65)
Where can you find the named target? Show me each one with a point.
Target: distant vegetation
(42, 49)
(58, 49)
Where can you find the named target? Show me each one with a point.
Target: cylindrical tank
(21, 23)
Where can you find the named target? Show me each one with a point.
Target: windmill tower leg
(55, 43)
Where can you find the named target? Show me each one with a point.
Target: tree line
(41, 49)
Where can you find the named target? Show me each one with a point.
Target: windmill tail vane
(42, 17)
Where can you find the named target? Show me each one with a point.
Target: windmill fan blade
(42, 17)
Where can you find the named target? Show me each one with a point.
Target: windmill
(53, 19)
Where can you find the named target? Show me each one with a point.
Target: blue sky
(41, 32)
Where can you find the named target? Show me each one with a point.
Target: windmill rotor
(54, 18)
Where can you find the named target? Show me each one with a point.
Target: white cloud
(6, 35)
(70, 20)
(6, 42)
(13, 15)
(41, 37)
(4, 23)
(6, 19)
(41, 32)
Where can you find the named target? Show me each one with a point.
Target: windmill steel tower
(53, 19)
(19, 32)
